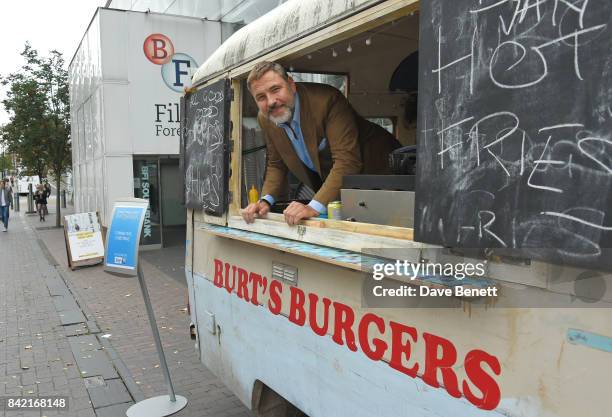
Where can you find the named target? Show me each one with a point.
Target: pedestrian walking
(8, 184)
(47, 188)
(6, 201)
(40, 197)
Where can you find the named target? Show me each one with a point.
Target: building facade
(126, 78)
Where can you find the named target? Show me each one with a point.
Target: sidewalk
(35, 355)
(116, 357)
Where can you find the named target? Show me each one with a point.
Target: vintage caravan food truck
(471, 281)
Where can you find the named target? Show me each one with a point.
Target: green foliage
(38, 106)
(39, 110)
(6, 164)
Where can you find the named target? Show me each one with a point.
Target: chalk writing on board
(515, 119)
(205, 149)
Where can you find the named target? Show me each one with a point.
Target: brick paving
(35, 356)
(112, 306)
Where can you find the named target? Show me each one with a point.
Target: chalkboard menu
(206, 148)
(515, 127)
(183, 107)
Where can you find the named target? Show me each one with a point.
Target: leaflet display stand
(122, 245)
(83, 238)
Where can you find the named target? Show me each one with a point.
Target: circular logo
(158, 48)
(178, 71)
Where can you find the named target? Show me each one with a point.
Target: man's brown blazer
(354, 145)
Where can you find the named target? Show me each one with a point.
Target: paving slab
(35, 356)
(65, 303)
(57, 287)
(71, 317)
(94, 381)
(90, 358)
(112, 393)
(85, 343)
(76, 329)
(117, 410)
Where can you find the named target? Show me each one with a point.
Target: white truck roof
(281, 25)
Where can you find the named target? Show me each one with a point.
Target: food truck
(474, 280)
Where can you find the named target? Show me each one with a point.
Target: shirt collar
(295, 120)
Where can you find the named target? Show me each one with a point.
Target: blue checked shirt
(294, 132)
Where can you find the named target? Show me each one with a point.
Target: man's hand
(298, 211)
(255, 210)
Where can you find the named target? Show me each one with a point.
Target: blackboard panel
(515, 127)
(206, 139)
(183, 112)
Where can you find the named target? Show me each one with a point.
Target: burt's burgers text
(479, 386)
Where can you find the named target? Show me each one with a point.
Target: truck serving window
(376, 71)
(254, 148)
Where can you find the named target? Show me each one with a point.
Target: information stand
(83, 238)
(122, 244)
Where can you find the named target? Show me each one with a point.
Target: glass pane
(384, 122)
(340, 81)
(146, 186)
(253, 149)
(253, 157)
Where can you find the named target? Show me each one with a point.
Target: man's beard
(285, 116)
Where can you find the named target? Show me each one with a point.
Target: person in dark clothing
(312, 131)
(6, 201)
(47, 189)
(40, 197)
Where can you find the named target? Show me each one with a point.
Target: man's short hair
(262, 67)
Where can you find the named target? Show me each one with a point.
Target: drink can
(334, 210)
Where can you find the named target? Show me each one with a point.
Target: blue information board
(123, 236)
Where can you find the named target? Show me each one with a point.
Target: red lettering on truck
(401, 349)
(257, 282)
(443, 362)
(491, 394)
(313, 301)
(243, 280)
(344, 318)
(380, 347)
(297, 314)
(230, 287)
(274, 303)
(218, 280)
(479, 387)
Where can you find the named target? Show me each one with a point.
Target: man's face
(274, 96)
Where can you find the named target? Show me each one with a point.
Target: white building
(126, 79)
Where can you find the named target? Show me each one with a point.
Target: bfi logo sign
(176, 68)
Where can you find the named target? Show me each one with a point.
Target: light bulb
(369, 41)
(334, 53)
(291, 68)
(309, 56)
(349, 49)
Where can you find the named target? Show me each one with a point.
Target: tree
(22, 135)
(6, 164)
(39, 110)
